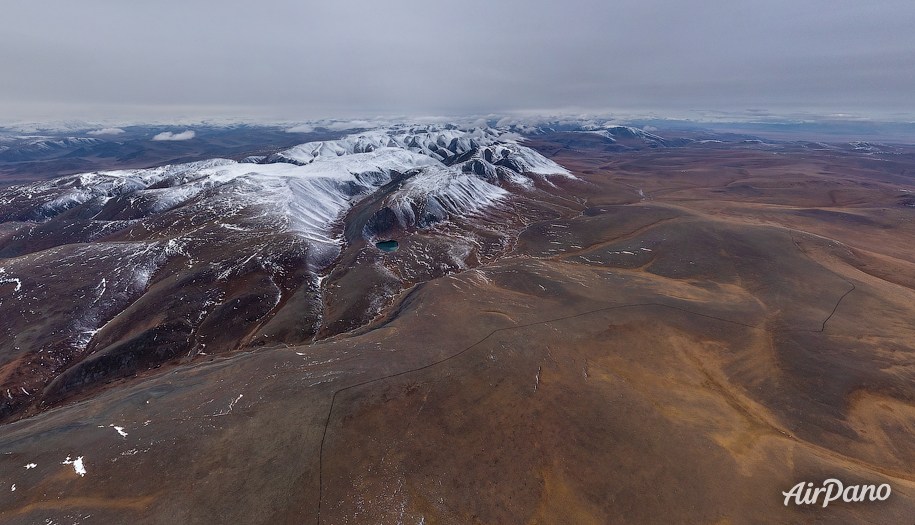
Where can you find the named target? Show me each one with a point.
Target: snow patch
(77, 463)
(13, 280)
(10, 280)
(231, 406)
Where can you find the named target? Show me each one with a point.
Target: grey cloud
(297, 60)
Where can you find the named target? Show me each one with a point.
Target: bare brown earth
(690, 333)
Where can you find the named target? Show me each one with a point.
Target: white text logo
(832, 490)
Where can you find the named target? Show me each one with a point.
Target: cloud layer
(106, 131)
(168, 135)
(305, 60)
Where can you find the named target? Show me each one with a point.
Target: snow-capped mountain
(127, 269)
(305, 189)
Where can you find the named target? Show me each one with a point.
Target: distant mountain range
(35, 154)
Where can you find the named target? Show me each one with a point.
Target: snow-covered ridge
(440, 144)
(305, 190)
(42, 200)
(437, 193)
(445, 144)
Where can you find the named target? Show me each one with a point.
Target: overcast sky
(111, 59)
